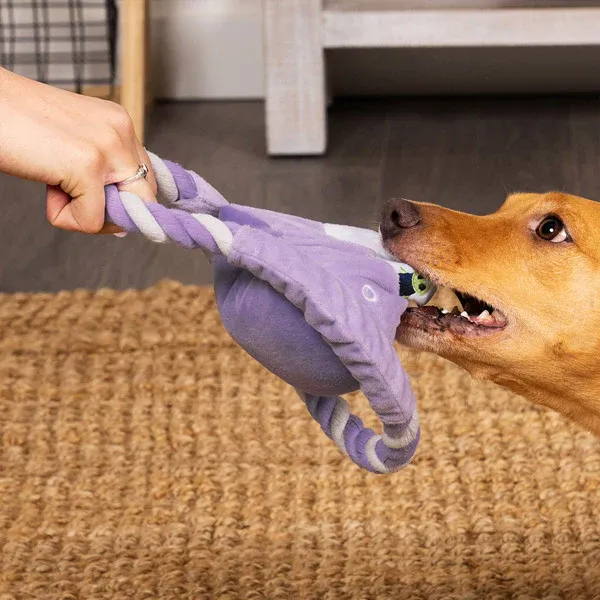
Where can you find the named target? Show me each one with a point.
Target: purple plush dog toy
(316, 304)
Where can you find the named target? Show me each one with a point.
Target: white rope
(143, 218)
(165, 181)
(408, 436)
(339, 420)
(219, 231)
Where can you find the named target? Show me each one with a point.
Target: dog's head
(528, 279)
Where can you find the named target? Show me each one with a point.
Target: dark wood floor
(461, 153)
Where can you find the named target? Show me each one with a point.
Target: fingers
(135, 155)
(84, 213)
(58, 209)
(144, 188)
(110, 228)
(145, 159)
(140, 187)
(109, 154)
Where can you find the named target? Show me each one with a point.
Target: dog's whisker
(504, 186)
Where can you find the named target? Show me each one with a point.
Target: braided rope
(196, 226)
(384, 453)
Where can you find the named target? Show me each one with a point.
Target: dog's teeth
(445, 311)
(499, 316)
(464, 314)
(484, 315)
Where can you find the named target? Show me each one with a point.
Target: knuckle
(93, 158)
(92, 223)
(93, 227)
(121, 121)
(110, 139)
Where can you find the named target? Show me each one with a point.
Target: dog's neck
(555, 389)
(579, 403)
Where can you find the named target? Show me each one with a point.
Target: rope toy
(317, 304)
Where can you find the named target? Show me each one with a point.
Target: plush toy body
(316, 304)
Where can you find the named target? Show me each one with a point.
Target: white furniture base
(298, 32)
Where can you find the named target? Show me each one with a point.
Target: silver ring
(142, 173)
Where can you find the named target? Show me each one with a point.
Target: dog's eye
(552, 229)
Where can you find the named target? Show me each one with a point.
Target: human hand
(74, 144)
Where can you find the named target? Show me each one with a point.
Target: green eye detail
(420, 284)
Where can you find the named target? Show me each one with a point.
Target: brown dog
(526, 278)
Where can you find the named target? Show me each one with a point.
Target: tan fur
(550, 350)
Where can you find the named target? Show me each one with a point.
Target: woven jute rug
(143, 455)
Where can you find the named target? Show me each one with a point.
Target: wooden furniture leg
(134, 49)
(295, 77)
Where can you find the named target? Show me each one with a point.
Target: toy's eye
(420, 284)
(552, 229)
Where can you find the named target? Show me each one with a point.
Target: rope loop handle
(192, 222)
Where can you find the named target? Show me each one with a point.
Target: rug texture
(143, 455)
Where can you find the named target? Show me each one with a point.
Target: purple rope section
(362, 445)
(179, 226)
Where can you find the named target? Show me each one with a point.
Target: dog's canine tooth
(464, 314)
(499, 316)
(484, 315)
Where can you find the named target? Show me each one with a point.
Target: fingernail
(121, 234)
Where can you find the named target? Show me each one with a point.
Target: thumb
(84, 213)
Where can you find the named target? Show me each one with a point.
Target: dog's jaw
(468, 353)
(582, 406)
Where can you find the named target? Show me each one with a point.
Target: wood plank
(295, 77)
(462, 28)
(134, 29)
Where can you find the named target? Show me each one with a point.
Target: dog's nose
(398, 214)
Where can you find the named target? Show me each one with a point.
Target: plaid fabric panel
(66, 43)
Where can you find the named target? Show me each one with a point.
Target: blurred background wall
(212, 49)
